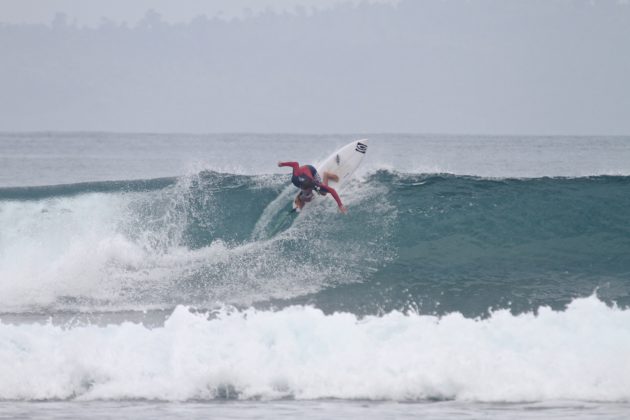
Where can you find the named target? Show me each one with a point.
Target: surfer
(308, 180)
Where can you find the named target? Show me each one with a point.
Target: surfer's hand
(343, 209)
(279, 164)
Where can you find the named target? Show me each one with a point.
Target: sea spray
(187, 241)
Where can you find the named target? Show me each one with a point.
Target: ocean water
(479, 277)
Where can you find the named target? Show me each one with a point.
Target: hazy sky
(428, 66)
(90, 12)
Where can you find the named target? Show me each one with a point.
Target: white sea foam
(577, 354)
(47, 245)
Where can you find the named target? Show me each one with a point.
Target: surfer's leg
(298, 202)
(330, 176)
(305, 196)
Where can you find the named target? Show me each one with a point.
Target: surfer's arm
(294, 165)
(332, 192)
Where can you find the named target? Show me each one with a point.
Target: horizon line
(323, 133)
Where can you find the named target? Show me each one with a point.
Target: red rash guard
(305, 171)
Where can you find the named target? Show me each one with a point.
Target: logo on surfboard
(361, 148)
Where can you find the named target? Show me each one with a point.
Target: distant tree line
(454, 66)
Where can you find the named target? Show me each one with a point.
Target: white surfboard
(343, 163)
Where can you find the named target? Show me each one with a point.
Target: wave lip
(299, 352)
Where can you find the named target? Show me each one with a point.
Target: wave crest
(437, 243)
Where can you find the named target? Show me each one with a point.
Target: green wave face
(431, 243)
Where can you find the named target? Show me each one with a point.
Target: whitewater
(478, 276)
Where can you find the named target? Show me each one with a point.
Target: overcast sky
(427, 66)
(90, 12)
